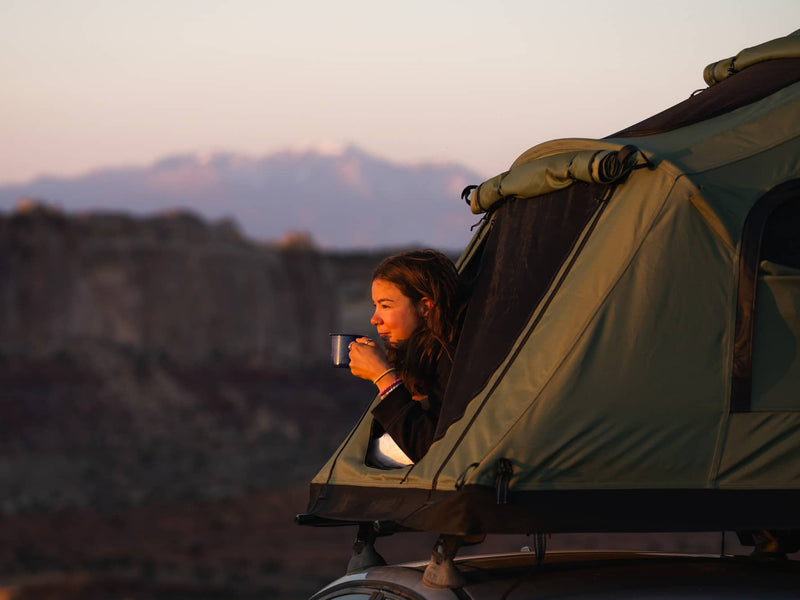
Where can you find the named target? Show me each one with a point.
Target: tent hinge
(441, 572)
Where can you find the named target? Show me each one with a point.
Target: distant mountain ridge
(344, 199)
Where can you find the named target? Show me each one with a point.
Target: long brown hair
(425, 274)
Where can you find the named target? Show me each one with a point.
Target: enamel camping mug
(340, 352)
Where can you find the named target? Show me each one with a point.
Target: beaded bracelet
(378, 378)
(391, 387)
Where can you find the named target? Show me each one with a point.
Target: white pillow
(385, 452)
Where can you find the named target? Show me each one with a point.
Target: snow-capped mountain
(343, 198)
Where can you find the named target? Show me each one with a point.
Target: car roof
(594, 575)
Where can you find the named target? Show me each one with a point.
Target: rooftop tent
(630, 358)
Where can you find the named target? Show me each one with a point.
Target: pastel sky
(97, 83)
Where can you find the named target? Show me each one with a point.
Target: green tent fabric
(630, 358)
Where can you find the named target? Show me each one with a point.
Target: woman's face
(396, 317)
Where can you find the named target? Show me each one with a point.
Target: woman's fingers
(366, 359)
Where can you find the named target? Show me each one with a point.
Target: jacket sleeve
(410, 424)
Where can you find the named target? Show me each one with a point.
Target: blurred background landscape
(193, 195)
(166, 398)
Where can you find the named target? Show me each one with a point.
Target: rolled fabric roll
(551, 173)
(785, 47)
(608, 167)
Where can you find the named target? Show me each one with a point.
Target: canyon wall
(170, 285)
(168, 359)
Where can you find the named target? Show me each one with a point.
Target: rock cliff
(166, 358)
(170, 285)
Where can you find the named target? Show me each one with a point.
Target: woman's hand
(368, 361)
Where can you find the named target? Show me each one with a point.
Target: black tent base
(475, 509)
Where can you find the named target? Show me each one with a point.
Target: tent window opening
(529, 241)
(766, 353)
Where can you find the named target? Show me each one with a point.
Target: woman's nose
(375, 319)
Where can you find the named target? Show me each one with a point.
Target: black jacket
(411, 425)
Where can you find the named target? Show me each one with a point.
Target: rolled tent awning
(785, 47)
(551, 173)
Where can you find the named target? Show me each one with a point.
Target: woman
(418, 302)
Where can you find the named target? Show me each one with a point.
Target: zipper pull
(505, 471)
